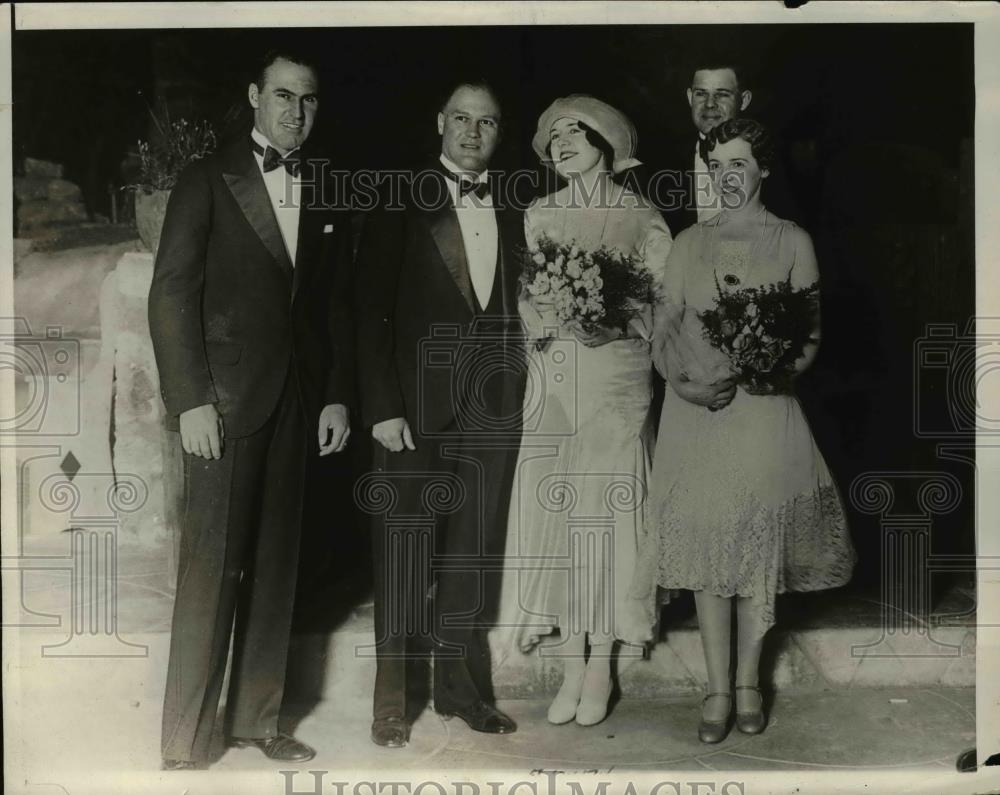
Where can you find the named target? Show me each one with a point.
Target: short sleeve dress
(741, 501)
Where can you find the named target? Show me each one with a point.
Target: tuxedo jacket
(230, 315)
(415, 302)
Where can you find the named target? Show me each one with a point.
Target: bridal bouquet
(763, 330)
(594, 288)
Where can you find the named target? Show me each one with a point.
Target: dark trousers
(438, 552)
(238, 557)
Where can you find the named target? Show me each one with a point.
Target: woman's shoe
(751, 722)
(715, 731)
(593, 707)
(563, 707)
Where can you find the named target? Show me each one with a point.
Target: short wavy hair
(300, 56)
(753, 132)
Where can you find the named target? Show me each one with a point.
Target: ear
(440, 124)
(745, 97)
(254, 96)
(690, 98)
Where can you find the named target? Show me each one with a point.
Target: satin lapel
(313, 216)
(447, 235)
(305, 253)
(511, 228)
(246, 183)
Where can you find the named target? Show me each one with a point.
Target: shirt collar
(448, 164)
(260, 138)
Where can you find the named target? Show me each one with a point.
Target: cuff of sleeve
(178, 404)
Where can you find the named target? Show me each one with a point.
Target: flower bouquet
(592, 288)
(763, 330)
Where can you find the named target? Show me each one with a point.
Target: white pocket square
(327, 229)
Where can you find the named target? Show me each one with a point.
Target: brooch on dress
(731, 279)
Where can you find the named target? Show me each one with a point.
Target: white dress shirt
(478, 222)
(285, 192)
(704, 193)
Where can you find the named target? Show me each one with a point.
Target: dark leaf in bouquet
(763, 330)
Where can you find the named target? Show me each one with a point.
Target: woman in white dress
(742, 506)
(577, 503)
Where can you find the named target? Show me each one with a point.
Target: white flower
(573, 268)
(538, 257)
(539, 285)
(560, 260)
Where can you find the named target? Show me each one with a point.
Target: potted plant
(160, 162)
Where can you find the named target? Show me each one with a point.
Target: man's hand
(394, 434)
(334, 428)
(713, 396)
(201, 431)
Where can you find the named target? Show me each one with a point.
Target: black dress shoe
(751, 722)
(281, 748)
(181, 764)
(390, 732)
(481, 717)
(715, 731)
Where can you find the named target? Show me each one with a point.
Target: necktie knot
(467, 186)
(481, 189)
(274, 159)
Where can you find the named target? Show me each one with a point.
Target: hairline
(740, 88)
(260, 80)
(478, 87)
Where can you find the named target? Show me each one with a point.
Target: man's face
(469, 126)
(284, 108)
(715, 97)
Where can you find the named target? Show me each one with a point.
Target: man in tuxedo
(439, 382)
(249, 312)
(683, 188)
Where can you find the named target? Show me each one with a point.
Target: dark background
(875, 124)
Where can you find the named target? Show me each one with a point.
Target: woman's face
(736, 175)
(570, 150)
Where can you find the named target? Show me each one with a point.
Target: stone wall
(45, 199)
(91, 443)
(141, 445)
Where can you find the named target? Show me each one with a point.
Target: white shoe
(593, 707)
(563, 707)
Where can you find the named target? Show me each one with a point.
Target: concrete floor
(93, 726)
(90, 722)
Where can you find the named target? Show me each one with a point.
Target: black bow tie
(467, 186)
(273, 159)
